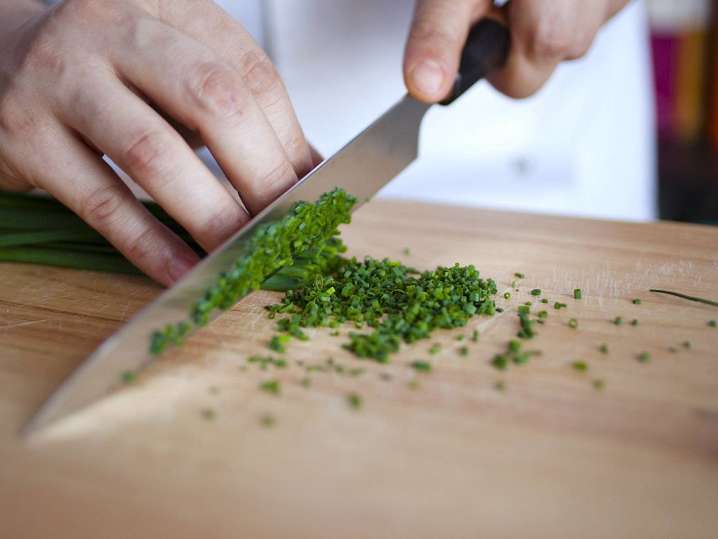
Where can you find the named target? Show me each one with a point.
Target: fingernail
(180, 266)
(428, 77)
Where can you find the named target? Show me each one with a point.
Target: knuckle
(44, 55)
(260, 74)
(17, 121)
(218, 90)
(273, 183)
(142, 247)
(551, 41)
(427, 33)
(147, 155)
(100, 207)
(221, 225)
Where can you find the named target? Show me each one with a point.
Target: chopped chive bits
(507, 295)
(598, 384)
(413, 385)
(500, 385)
(558, 306)
(573, 323)
(435, 349)
(463, 351)
(603, 348)
(421, 366)
(519, 275)
(636, 301)
(128, 377)
(267, 421)
(475, 336)
(712, 324)
(536, 292)
(643, 357)
(580, 366)
(618, 321)
(544, 300)
(407, 251)
(354, 401)
(460, 337)
(278, 343)
(542, 315)
(208, 414)
(686, 345)
(273, 387)
(634, 322)
(500, 362)
(577, 293)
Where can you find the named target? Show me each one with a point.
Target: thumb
(433, 51)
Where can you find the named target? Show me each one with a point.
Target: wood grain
(548, 457)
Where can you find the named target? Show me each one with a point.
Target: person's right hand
(94, 77)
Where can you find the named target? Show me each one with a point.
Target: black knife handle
(486, 49)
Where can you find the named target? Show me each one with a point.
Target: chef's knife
(361, 168)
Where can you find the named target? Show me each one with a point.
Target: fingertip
(427, 80)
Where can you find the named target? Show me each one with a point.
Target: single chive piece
(672, 349)
(536, 292)
(558, 306)
(407, 251)
(463, 351)
(435, 349)
(507, 295)
(636, 301)
(306, 381)
(460, 337)
(421, 366)
(643, 357)
(500, 362)
(577, 293)
(712, 324)
(128, 377)
(542, 315)
(580, 366)
(500, 385)
(413, 385)
(599, 384)
(524, 309)
(684, 296)
(514, 345)
(686, 345)
(528, 304)
(521, 358)
(618, 321)
(267, 421)
(573, 323)
(603, 348)
(634, 322)
(208, 414)
(475, 336)
(519, 275)
(273, 387)
(334, 333)
(354, 401)
(499, 310)
(278, 343)
(544, 300)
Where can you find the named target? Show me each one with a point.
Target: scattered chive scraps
(208, 414)
(306, 381)
(499, 310)
(643, 357)
(618, 321)
(421, 366)
(507, 295)
(634, 322)
(528, 304)
(542, 315)
(500, 362)
(460, 337)
(536, 292)
(599, 384)
(686, 344)
(636, 301)
(435, 349)
(475, 335)
(267, 420)
(684, 296)
(603, 348)
(580, 366)
(407, 251)
(519, 275)
(278, 343)
(544, 300)
(558, 306)
(273, 387)
(463, 351)
(354, 401)
(500, 385)
(712, 324)
(577, 293)
(413, 385)
(573, 323)
(128, 377)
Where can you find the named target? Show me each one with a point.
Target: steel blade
(362, 168)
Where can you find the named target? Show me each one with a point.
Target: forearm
(13, 13)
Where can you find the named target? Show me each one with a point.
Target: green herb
(544, 300)
(435, 349)
(603, 349)
(208, 413)
(354, 401)
(460, 337)
(580, 366)
(463, 351)
(267, 420)
(421, 366)
(558, 306)
(413, 385)
(618, 321)
(306, 381)
(273, 387)
(500, 385)
(278, 343)
(519, 275)
(542, 315)
(536, 292)
(500, 362)
(334, 333)
(684, 296)
(407, 251)
(267, 361)
(577, 293)
(599, 385)
(528, 304)
(507, 295)
(636, 301)
(475, 336)
(712, 323)
(527, 331)
(128, 377)
(634, 322)
(573, 323)
(643, 357)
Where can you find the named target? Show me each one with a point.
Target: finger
(209, 24)
(437, 37)
(83, 182)
(135, 137)
(208, 95)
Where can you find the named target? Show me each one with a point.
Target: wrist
(14, 13)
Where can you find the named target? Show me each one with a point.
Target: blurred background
(628, 132)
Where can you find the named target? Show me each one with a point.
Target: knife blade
(362, 167)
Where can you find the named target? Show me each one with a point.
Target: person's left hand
(544, 33)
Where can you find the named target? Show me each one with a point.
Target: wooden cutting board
(184, 452)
